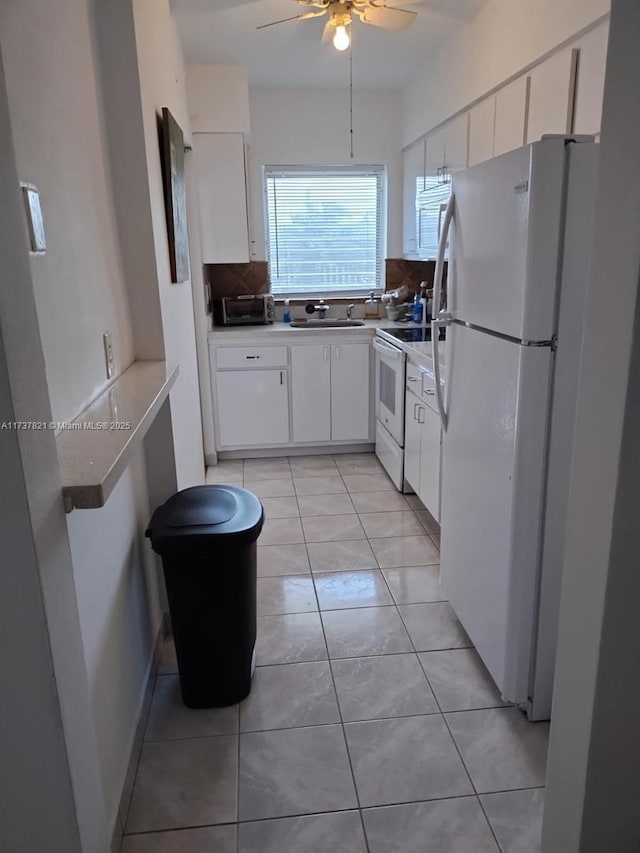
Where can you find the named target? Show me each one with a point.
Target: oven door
(390, 379)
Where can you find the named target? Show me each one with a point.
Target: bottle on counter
(424, 302)
(286, 317)
(417, 309)
(371, 307)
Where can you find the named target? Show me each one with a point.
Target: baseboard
(315, 450)
(134, 757)
(210, 459)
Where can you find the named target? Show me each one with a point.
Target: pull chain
(351, 96)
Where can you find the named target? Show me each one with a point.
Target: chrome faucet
(350, 310)
(321, 309)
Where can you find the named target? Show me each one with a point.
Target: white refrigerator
(518, 230)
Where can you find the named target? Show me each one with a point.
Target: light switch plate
(38, 243)
(108, 353)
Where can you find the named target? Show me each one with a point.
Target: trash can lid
(206, 512)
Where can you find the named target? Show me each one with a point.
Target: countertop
(95, 448)
(418, 352)
(225, 334)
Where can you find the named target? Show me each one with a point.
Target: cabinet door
(456, 143)
(481, 130)
(253, 407)
(434, 154)
(511, 116)
(222, 197)
(429, 484)
(412, 430)
(590, 80)
(351, 392)
(552, 95)
(412, 184)
(311, 392)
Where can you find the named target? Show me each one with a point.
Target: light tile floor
(372, 725)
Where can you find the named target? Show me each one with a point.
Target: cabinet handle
(415, 406)
(252, 356)
(420, 412)
(337, 349)
(412, 378)
(429, 392)
(282, 377)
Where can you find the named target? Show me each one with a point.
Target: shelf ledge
(95, 448)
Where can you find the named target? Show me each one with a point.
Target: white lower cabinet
(311, 393)
(412, 431)
(422, 442)
(330, 392)
(429, 487)
(351, 392)
(253, 407)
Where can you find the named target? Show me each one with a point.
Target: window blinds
(324, 229)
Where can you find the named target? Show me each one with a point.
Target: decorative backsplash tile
(237, 279)
(399, 271)
(242, 279)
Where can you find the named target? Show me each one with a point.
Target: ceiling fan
(378, 13)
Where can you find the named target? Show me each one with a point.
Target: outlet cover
(108, 353)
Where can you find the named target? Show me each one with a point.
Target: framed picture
(175, 201)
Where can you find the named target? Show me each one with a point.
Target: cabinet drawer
(414, 378)
(429, 388)
(250, 357)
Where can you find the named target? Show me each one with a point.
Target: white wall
(119, 608)
(593, 773)
(81, 290)
(159, 66)
(502, 40)
(311, 127)
(49, 775)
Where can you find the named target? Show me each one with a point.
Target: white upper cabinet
(413, 182)
(218, 98)
(511, 116)
(435, 153)
(456, 143)
(482, 120)
(222, 197)
(551, 97)
(590, 80)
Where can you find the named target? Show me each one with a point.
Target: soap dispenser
(286, 317)
(371, 307)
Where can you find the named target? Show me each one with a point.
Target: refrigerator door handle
(440, 318)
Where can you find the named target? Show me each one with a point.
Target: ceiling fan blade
(328, 32)
(387, 18)
(394, 4)
(317, 14)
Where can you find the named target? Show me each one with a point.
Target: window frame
(380, 172)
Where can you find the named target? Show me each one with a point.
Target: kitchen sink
(331, 323)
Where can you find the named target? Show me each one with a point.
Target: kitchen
(347, 467)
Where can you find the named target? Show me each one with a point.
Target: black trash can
(206, 536)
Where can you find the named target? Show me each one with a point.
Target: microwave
(250, 310)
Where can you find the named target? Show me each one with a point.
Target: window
(324, 229)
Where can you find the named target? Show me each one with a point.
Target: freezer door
(506, 240)
(492, 486)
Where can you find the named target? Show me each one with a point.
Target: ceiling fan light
(341, 39)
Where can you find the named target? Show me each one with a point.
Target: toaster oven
(251, 309)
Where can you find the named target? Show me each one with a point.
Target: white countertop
(418, 352)
(224, 334)
(95, 449)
